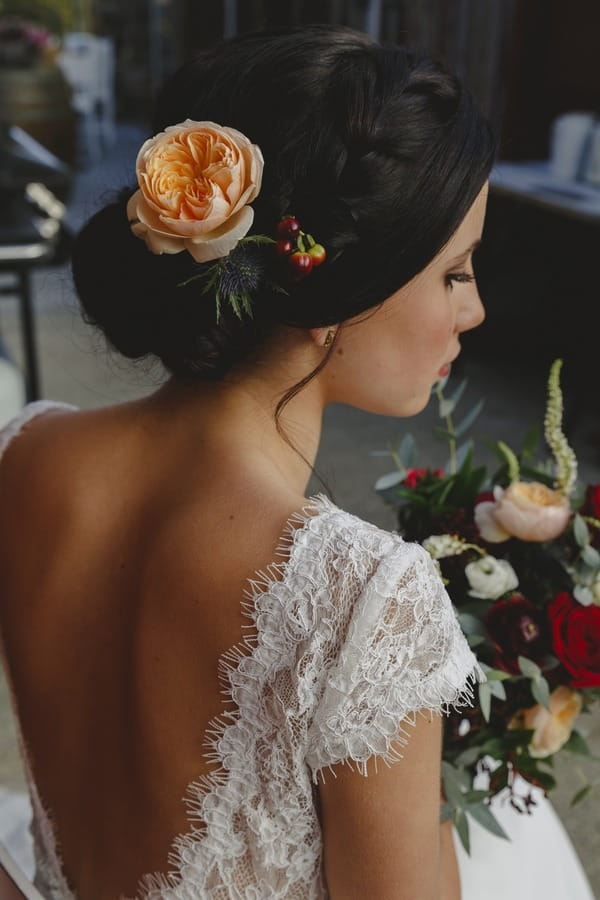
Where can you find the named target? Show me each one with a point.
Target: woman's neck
(240, 413)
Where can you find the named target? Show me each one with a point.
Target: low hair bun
(149, 304)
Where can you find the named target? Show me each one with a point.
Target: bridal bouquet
(519, 551)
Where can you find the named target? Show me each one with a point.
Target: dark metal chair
(32, 185)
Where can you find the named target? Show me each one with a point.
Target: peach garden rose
(196, 181)
(529, 511)
(551, 728)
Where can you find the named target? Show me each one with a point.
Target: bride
(178, 619)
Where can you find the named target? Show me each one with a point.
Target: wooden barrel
(38, 100)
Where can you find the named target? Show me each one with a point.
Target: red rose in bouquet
(414, 476)
(517, 628)
(576, 636)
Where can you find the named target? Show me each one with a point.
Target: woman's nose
(472, 312)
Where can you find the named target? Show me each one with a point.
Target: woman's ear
(323, 337)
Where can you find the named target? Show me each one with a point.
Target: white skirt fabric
(538, 863)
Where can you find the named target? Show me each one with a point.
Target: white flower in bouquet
(440, 546)
(490, 578)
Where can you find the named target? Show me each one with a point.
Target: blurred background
(77, 79)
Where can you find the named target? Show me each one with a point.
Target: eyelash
(460, 277)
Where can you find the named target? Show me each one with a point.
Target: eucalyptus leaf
(468, 420)
(485, 700)
(389, 480)
(407, 450)
(581, 531)
(541, 691)
(469, 756)
(495, 674)
(590, 556)
(528, 667)
(498, 690)
(470, 624)
(476, 796)
(483, 814)
(474, 640)
(446, 407)
(457, 394)
(462, 827)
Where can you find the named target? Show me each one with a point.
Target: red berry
(301, 263)
(284, 248)
(318, 254)
(288, 227)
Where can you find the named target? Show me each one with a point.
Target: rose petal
(221, 241)
(488, 527)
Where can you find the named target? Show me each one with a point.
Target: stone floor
(76, 368)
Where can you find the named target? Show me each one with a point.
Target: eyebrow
(464, 254)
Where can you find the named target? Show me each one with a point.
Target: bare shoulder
(381, 831)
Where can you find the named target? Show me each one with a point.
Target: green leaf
(541, 691)
(462, 827)
(581, 794)
(389, 480)
(483, 814)
(581, 531)
(442, 434)
(485, 700)
(470, 624)
(462, 452)
(407, 451)
(577, 744)
(528, 667)
(468, 420)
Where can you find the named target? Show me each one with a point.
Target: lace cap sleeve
(403, 652)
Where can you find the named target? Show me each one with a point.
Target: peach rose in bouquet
(196, 180)
(529, 511)
(551, 727)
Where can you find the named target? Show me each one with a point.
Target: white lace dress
(352, 633)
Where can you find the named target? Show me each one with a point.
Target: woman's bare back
(124, 555)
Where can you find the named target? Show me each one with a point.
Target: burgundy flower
(591, 503)
(517, 628)
(576, 636)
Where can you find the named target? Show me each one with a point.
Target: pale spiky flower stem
(514, 470)
(565, 459)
